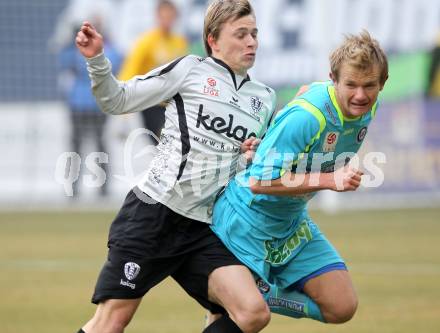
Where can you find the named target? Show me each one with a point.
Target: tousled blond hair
(221, 11)
(361, 51)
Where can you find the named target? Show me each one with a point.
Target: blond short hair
(361, 51)
(221, 11)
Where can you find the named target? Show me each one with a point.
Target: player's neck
(230, 67)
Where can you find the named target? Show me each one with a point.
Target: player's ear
(332, 77)
(212, 42)
(383, 83)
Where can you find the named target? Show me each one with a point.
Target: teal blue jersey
(310, 134)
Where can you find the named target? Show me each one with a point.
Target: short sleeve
(287, 138)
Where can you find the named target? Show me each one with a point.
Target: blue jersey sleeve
(286, 140)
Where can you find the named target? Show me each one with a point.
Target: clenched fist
(346, 179)
(89, 41)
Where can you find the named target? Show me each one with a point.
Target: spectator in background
(433, 88)
(152, 49)
(86, 117)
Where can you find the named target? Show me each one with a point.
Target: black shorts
(149, 242)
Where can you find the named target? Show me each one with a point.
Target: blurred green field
(49, 263)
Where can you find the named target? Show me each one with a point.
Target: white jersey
(210, 112)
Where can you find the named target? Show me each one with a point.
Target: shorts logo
(131, 270)
(362, 133)
(330, 142)
(262, 286)
(127, 284)
(287, 304)
(277, 253)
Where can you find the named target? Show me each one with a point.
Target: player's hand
(346, 179)
(89, 41)
(248, 148)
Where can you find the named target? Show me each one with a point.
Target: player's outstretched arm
(89, 41)
(291, 184)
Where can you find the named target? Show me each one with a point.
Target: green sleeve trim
(374, 109)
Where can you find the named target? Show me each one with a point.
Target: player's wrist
(97, 56)
(328, 181)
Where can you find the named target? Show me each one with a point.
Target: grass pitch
(49, 263)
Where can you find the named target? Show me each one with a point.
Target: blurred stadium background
(52, 246)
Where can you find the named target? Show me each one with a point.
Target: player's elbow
(255, 186)
(255, 189)
(261, 186)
